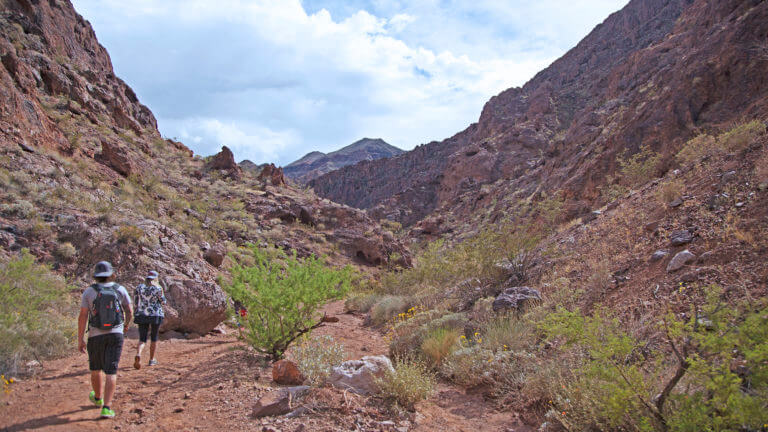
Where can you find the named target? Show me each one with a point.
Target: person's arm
(127, 307)
(82, 321)
(162, 292)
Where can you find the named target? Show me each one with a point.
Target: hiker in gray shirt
(106, 307)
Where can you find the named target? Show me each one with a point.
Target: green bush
(65, 251)
(640, 167)
(317, 356)
(129, 234)
(697, 148)
(620, 382)
(36, 319)
(283, 295)
(741, 136)
(409, 383)
(21, 208)
(361, 302)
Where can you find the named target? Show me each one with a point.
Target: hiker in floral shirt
(149, 299)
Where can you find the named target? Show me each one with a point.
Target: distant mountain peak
(316, 163)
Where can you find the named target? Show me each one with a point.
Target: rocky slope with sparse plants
(315, 164)
(86, 176)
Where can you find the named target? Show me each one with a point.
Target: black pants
(104, 352)
(152, 329)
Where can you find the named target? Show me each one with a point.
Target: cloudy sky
(275, 79)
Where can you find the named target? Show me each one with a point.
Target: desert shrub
(411, 328)
(669, 191)
(409, 383)
(438, 344)
(361, 302)
(388, 307)
(283, 295)
(36, 319)
(615, 383)
(128, 234)
(40, 229)
(65, 251)
(612, 190)
(640, 167)
(698, 148)
(21, 208)
(508, 333)
(475, 365)
(316, 357)
(742, 136)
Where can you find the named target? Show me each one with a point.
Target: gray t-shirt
(89, 295)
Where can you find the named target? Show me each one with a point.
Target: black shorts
(104, 352)
(151, 328)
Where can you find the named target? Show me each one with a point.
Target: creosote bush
(316, 357)
(282, 294)
(36, 317)
(640, 167)
(622, 382)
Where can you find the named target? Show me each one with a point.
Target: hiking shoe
(107, 412)
(152, 362)
(97, 402)
(137, 362)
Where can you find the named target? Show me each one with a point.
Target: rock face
(272, 175)
(515, 299)
(316, 163)
(360, 376)
(224, 161)
(279, 402)
(113, 157)
(651, 75)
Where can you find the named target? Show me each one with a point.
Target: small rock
(297, 412)
(187, 395)
(677, 202)
(739, 204)
(329, 319)
(360, 376)
(762, 186)
(514, 298)
(729, 176)
(679, 238)
(178, 410)
(651, 226)
(689, 277)
(591, 216)
(286, 372)
(679, 260)
(279, 402)
(220, 329)
(659, 255)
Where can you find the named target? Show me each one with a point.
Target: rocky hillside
(652, 75)
(87, 176)
(317, 163)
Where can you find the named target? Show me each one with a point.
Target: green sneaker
(97, 402)
(107, 412)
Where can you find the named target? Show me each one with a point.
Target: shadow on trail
(237, 366)
(51, 420)
(83, 372)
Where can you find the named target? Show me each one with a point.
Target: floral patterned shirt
(149, 300)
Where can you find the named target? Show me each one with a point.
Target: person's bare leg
(96, 384)
(109, 389)
(152, 348)
(140, 348)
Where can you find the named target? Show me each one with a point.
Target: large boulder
(359, 376)
(215, 256)
(272, 175)
(515, 298)
(679, 238)
(279, 402)
(194, 306)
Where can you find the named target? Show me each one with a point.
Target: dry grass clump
(410, 382)
(65, 251)
(669, 191)
(735, 140)
(640, 167)
(317, 356)
(439, 344)
(361, 302)
(20, 208)
(697, 148)
(761, 168)
(742, 136)
(129, 234)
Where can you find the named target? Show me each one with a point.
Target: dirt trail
(210, 384)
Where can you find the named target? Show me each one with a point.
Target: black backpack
(107, 313)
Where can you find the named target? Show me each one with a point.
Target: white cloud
(276, 79)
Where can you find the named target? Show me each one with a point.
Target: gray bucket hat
(103, 269)
(152, 275)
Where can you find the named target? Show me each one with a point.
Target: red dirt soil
(211, 383)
